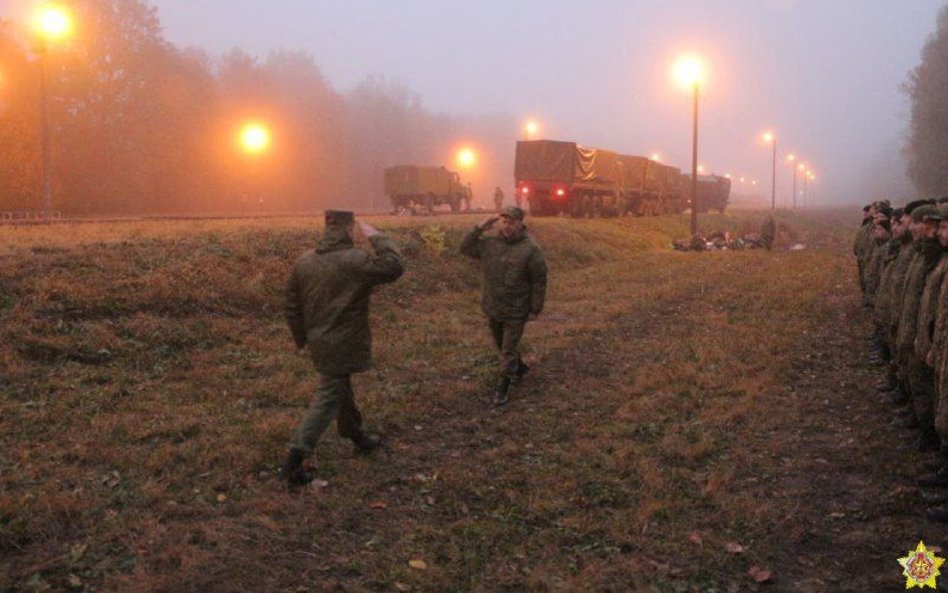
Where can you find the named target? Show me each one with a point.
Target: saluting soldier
(514, 277)
(327, 309)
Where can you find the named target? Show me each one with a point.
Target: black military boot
(896, 397)
(938, 479)
(522, 369)
(938, 514)
(293, 471)
(501, 396)
(927, 441)
(934, 498)
(365, 443)
(886, 385)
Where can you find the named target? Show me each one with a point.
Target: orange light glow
(801, 167)
(656, 157)
(791, 157)
(52, 22)
(254, 137)
(768, 137)
(701, 169)
(688, 72)
(531, 128)
(466, 158)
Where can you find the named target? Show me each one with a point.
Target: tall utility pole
(694, 165)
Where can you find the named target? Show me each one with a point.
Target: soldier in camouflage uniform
(933, 329)
(883, 299)
(514, 279)
(919, 377)
(860, 242)
(896, 289)
(327, 309)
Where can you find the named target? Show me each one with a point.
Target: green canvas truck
(412, 188)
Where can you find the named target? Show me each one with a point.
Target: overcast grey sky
(825, 74)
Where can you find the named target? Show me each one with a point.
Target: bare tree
(927, 87)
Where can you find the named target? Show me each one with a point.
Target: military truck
(714, 192)
(416, 189)
(555, 177)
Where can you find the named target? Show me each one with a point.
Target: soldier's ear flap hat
(926, 212)
(911, 206)
(512, 212)
(339, 218)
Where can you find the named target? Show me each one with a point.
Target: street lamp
(791, 158)
(530, 130)
(810, 176)
(51, 23)
(254, 138)
(466, 158)
(771, 138)
(689, 74)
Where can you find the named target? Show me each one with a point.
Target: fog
(825, 76)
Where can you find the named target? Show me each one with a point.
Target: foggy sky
(825, 74)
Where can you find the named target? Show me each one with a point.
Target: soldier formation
(327, 310)
(901, 255)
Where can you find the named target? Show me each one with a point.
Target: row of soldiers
(902, 254)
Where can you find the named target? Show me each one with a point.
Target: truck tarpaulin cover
(414, 180)
(566, 162)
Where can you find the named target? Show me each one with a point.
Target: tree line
(140, 126)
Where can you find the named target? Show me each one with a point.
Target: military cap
(942, 200)
(879, 204)
(866, 207)
(943, 208)
(512, 212)
(926, 212)
(885, 211)
(897, 213)
(339, 217)
(911, 206)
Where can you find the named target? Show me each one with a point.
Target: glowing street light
(688, 73)
(531, 129)
(51, 23)
(655, 157)
(466, 158)
(254, 138)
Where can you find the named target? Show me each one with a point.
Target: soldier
(896, 289)
(882, 304)
(327, 309)
(514, 287)
(920, 380)
(860, 242)
(498, 199)
(768, 231)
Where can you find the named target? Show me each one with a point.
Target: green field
(691, 421)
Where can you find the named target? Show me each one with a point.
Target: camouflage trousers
(507, 334)
(334, 400)
(921, 382)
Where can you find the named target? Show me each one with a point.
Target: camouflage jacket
(861, 245)
(927, 254)
(327, 299)
(883, 302)
(513, 273)
(873, 271)
(897, 290)
(928, 309)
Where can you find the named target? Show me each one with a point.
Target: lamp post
(810, 176)
(52, 22)
(791, 158)
(530, 130)
(689, 74)
(771, 138)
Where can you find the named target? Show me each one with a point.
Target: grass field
(691, 421)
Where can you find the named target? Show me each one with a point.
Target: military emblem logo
(921, 568)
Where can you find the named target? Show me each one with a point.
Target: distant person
(514, 287)
(768, 232)
(498, 199)
(327, 309)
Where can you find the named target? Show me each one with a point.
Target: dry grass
(150, 386)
